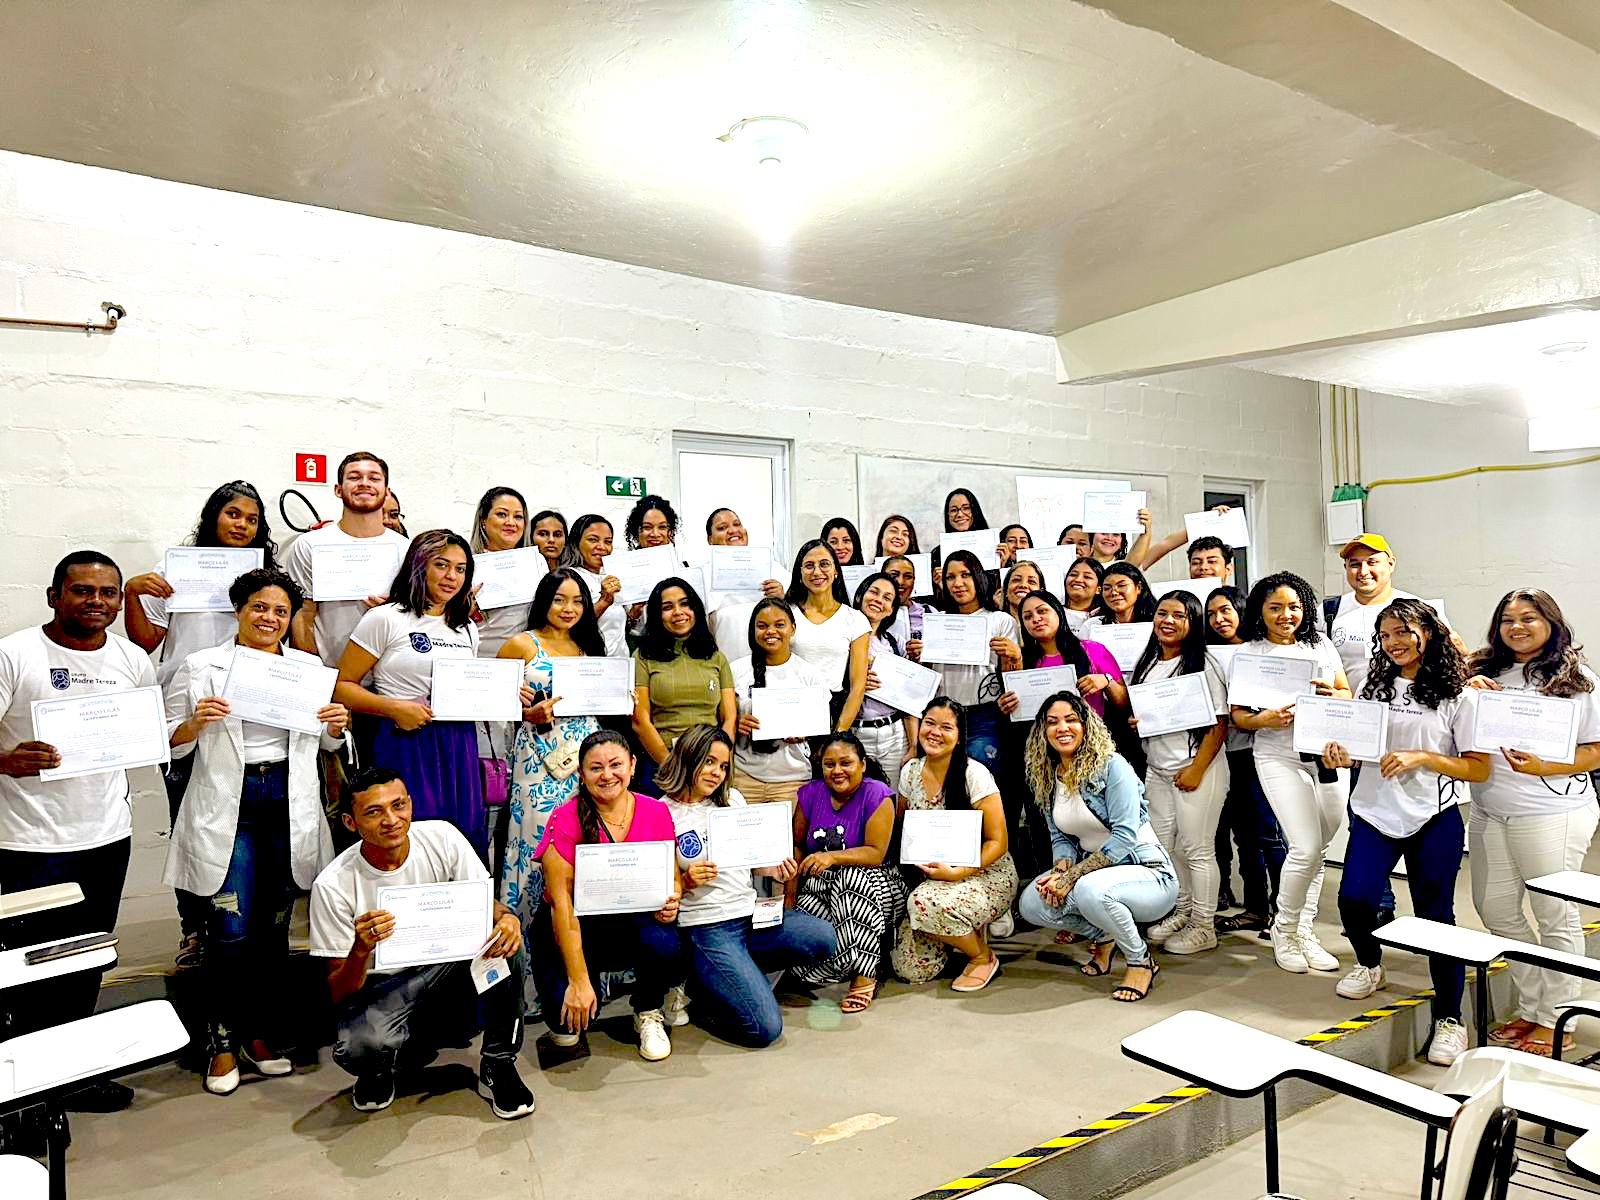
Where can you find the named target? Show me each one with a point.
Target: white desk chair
(1580, 887)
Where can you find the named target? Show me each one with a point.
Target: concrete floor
(921, 1089)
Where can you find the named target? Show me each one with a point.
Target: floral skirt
(937, 907)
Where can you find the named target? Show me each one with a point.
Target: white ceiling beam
(1512, 259)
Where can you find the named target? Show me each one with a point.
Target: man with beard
(76, 830)
(362, 486)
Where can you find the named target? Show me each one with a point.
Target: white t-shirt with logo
(786, 764)
(348, 886)
(1170, 753)
(62, 814)
(1355, 630)
(731, 895)
(406, 646)
(335, 618)
(1508, 793)
(1279, 743)
(1398, 807)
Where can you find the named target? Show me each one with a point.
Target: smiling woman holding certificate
(570, 951)
(976, 686)
(1533, 817)
(397, 643)
(1307, 798)
(250, 832)
(829, 634)
(769, 769)
(886, 732)
(680, 678)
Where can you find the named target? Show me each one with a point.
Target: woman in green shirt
(680, 678)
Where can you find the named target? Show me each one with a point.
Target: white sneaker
(1360, 983)
(676, 1007)
(1317, 958)
(1449, 1042)
(563, 1039)
(651, 1026)
(1192, 939)
(1162, 930)
(1286, 951)
(1004, 927)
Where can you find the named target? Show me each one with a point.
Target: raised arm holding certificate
(508, 576)
(435, 922)
(477, 689)
(1546, 726)
(103, 731)
(903, 684)
(1112, 512)
(791, 712)
(950, 638)
(623, 877)
(934, 835)
(1034, 687)
(640, 570)
(1360, 726)
(200, 576)
(1172, 705)
(283, 691)
(353, 571)
(592, 686)
(1230, 526)
(750, 835)
(1126, 642)
(1269, 680)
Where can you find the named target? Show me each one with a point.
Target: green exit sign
(631, 486)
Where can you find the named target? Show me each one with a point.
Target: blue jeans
(983, 734)
(728, 965)
(1255, 829)
(423, 1008)
(247, 922)
(1433, 857)
(1109, 903)
(1387, 903)
(634, 942)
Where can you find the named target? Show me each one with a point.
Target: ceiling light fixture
(769, 142)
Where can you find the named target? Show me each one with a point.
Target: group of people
(1112, 838)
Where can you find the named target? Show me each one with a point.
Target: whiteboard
(916, 488)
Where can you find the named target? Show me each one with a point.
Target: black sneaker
(374, 1091)
(107, 1096)
(502, 1087)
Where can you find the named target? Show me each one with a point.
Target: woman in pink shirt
(1048, 641)
(569, 952)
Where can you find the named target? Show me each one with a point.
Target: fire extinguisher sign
(311, 468)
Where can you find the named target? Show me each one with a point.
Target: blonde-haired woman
(1110, 873)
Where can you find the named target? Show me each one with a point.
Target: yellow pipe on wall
(1550, 466)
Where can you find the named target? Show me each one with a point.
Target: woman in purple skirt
(428, 617)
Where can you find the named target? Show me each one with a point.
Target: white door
(748, 475)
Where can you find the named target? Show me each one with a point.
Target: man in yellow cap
(1353, 624)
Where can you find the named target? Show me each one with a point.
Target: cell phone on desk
(82, 945)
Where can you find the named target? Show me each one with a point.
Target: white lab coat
(202, 837)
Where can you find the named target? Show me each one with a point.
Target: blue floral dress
(532, 794)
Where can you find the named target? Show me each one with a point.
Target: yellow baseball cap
(1372, 541)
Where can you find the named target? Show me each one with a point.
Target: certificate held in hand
(201, 575)
(950, 638)
(1269, 680)
(750, 835)
(935, 835)
(353, 570)
(902, 684)
(592, 686)
(790, 712)
(1360, 726)
(640, 570)
(477, 689)
(739, 568)
(103, 731)
(1173, 705)
(623, 877)
(282, 691)
(435, 922)
(1126, 642)
(508, 577)
(982, 542)
(1546, 726)
(1034, 687)
(1112, 512)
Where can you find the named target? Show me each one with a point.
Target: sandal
(859, 999)
(1095, 966)
(1544, 1047)
(1512, 1033)
(977, 976)
(1127, 992)
(1065, 937)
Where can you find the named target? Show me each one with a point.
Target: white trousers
(885, 745)
(1186, 823)
(1309, 813)
(1506, 852)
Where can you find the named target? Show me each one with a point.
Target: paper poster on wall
(1345, 521)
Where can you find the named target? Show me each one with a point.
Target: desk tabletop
(1583, 1156)
(14, 969)
(1434, 937)
(96, 1047)
(1569, 885)
(1242, 1061)
(55, 895)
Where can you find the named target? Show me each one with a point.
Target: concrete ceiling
(1031, 164)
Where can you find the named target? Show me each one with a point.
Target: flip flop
(1093, 967)
(859, 999)
(1133, 994)
(983, 974)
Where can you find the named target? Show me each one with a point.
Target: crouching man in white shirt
(389, 1021)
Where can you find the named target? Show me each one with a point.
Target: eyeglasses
(961, 508)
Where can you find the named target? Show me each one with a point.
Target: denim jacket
(1116, 797)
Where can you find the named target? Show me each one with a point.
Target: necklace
(622, 825)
